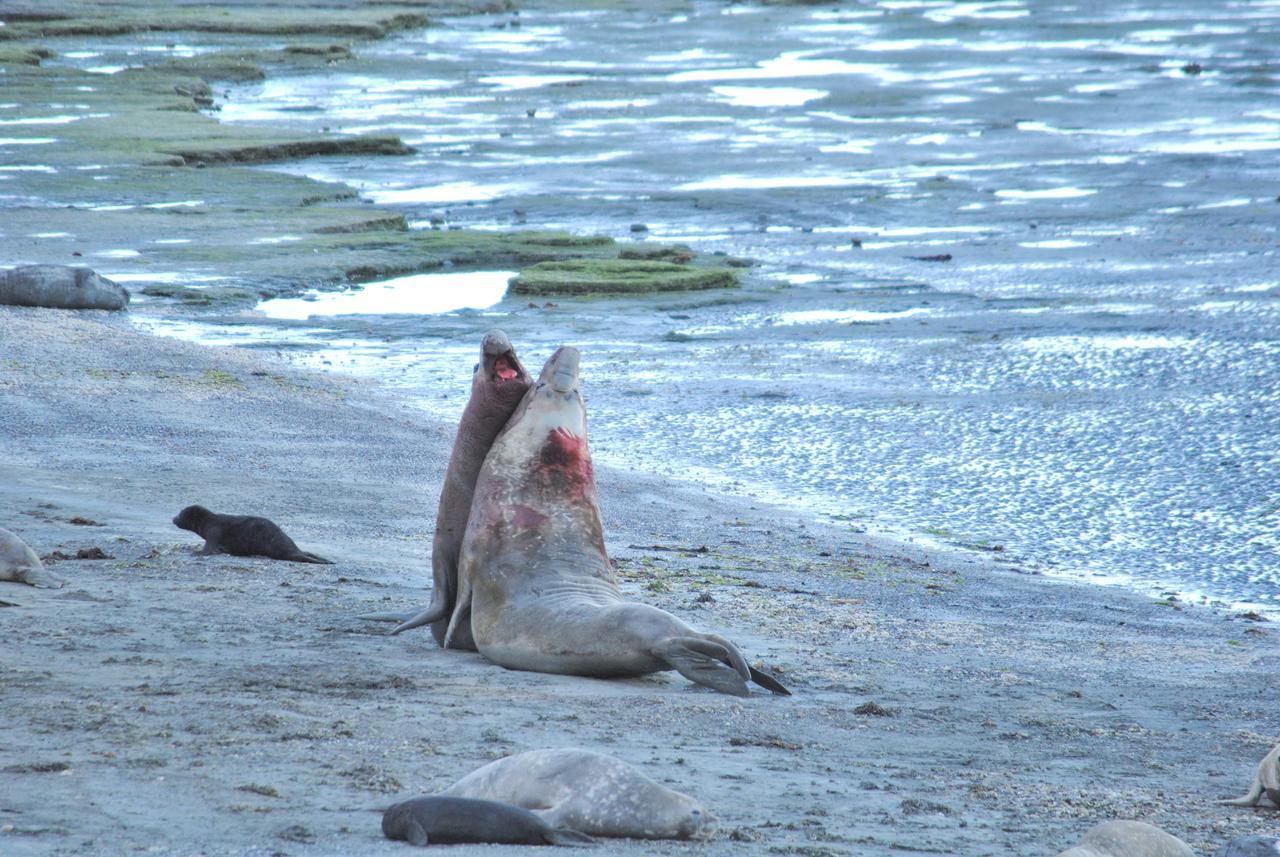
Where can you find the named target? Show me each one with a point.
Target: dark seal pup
(450, 820)
(534, 578)
(498, 383)
(242, 535)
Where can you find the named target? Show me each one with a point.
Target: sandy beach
(164, 702)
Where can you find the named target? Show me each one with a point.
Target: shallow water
(1091, 381)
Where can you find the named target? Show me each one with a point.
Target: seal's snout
(496, 342)
(562, 369)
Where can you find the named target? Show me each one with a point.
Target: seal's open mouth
(504, 368)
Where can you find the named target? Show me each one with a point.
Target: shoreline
(1020, 709)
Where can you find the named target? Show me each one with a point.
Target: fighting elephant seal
(498, 383)
(1128, 839)
(1251, 846)
(587, 791)
(447, 820)
(60, 287)
(19, 563)
(242, 535)
(1266, 780)
(534, 577)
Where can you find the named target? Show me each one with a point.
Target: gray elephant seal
(60, 287)
(1128, 839)
(1266, 780)
(534, 577)
(20, 564)
(1251, 846)
(242, 535)
(590, 792)
(498, 383)
(448, 820)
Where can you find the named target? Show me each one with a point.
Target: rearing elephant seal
(449, 820)
(534, 576)
(1265, 781)
(497, 384)
(1128, 839)
(590, 792)
(19, 563)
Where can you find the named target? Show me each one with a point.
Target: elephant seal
(498, 382)
(1266, 780)
(534, 577)
(448, 820)
(60, 287)
(20, 564)
(1128, 839)
(242, 535)
(1251, 846)
(591, 792)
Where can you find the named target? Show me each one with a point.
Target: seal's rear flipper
(565, 836)
(702, 662)
(768, 682)
(304, 556)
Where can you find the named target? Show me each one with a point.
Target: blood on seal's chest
(565, 456)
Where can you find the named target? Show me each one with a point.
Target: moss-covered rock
(617, 276)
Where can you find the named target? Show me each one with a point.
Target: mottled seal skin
(1251, 846)
(588, 791)
(534, 576)
(498, 383)
(1128, 839)
(60, 287)
(1266, 780)
(19, 563)
(451, 820)
(242, 535)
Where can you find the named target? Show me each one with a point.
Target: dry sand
(169, 703)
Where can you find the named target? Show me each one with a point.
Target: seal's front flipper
(461, 610)
(415, 835)
(387, 617)
(703, 662)
(565, 836)
(768, 682)
(433, 613)
(41, 579)
(1251, 799)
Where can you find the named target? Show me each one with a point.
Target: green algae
(617, 276)
(88, 19)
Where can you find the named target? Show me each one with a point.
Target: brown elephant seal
(534, 577)
(19, 563)
(1266, 780)
(1128, 839)
(587, 791)
(1251, 846)
(242, 535)
(60, 287)
(449, 820)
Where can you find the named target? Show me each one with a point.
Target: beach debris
(60, 287)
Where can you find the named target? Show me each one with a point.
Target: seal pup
(588, 791)
(498, 382)
(448, 820)
(1128, 839)
(534, 578)
(19, 563)
(1251, 846)
(242, 535)
(1266, 780)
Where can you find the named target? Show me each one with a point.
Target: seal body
(19, 563)
(1266, 780)
(534, 578)
(1128, 839)
(242, 535)
(449, 820)
(587, 791)
(60, 287)
(1251, 846)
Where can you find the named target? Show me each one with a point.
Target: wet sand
(179, 704)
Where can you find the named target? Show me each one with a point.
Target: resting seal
(447, 820)
(534, 577)
(497, 385)
(242, 535)
(590, 792)
(1265, 780)
(19, 563)
(60, 287)
(1251, 846)
(1128, 839)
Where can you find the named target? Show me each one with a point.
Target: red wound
(566, 462)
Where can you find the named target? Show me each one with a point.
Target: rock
(60, 287)
(1128, 839)
(1251, 846)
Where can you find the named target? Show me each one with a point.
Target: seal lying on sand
(1251, 846)
(60, 287)
(590, 792)
(534, 575)
(20, 563)
(1265, 780)
(446, 820)
(497, 385)
(242, 535)
(1128, 839)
